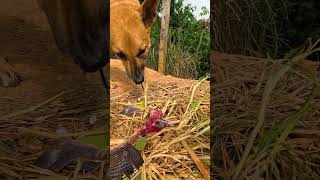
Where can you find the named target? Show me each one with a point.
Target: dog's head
(80, 28)
(130, 28)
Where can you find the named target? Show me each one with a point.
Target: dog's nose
(139, 81)
(138, 78)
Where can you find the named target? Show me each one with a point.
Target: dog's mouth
(138, 78)
(134, 71)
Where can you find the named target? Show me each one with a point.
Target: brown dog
(130, 28)
(80, 29)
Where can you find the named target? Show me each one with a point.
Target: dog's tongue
(154, 122)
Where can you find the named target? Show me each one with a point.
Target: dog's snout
(138, 78)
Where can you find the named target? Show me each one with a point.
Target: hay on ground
(287, 145)
(25, 134)
(186, 105)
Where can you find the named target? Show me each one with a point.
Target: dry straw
(28, 132)
(266, 117)
(173, 155)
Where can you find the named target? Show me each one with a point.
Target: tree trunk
(164, 35)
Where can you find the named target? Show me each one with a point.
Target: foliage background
(188, 45)
(264, 27)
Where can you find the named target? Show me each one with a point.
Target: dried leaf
(131, 110)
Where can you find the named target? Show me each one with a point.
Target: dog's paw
(8, 77)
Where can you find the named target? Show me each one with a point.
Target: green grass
(263, 28)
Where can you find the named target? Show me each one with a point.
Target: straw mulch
(185, 103)
(26, 133)
(257, 136)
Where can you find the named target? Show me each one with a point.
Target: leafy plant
(188, 45)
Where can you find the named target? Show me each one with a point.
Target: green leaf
(195, 104)
(99, 140)
(140, 105)
(141, 143)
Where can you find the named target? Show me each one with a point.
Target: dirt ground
(24, 36)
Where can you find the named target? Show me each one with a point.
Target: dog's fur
(130, 28)
(80, 29)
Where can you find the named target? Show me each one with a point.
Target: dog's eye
(121, 55)
(141, 52)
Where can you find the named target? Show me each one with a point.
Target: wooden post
(164, 35)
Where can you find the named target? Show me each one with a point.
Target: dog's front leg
(53, 50)
(8, 77)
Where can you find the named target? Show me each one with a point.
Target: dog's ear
(149, 11)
